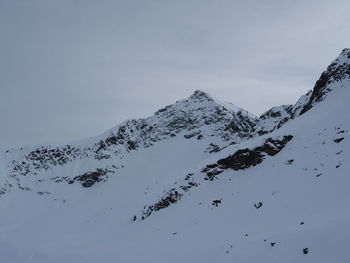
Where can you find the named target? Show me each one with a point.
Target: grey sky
(71, 69)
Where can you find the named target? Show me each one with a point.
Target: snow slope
(207, 183)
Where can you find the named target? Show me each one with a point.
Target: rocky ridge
(337, 72)
(197, 117)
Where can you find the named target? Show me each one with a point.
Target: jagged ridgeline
(196, 118)
(201, 180)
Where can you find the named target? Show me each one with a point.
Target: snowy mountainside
(228, 187)
(91, 160)
(337, 73)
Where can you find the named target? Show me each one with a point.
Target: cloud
(72, 69)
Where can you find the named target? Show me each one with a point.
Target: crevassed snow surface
(292, 207)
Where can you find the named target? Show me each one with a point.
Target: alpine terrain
(199, 181)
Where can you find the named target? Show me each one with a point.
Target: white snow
(304, 201)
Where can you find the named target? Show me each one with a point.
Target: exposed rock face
(90, 178)
(207, 169)
(200, 114)
(240, 160)
(274, 118)
(46, 157)
(277, 116)
(212, 170)
(216, 202)
(196, 118)
(245, 158)
(258, 205)
(171, 197)
(337, 71)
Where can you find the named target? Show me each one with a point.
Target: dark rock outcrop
(211, 170)
(216, 202)
(171, 197)
(338, 140)
(258, 205)
(245, 158)
(90, 178)
(276, 117)
(337, 71)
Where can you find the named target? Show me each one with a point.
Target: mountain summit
(201, 95)
(201, 180)
(337, 73)
(335, 77)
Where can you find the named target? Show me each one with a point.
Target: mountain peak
(193, 165)
(341, 61)
(345, 54)
(199, 94)
(337, 71)
(206, 100)
(334, 77)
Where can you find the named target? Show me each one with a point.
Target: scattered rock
(290, 162)
(211, 171)
(188, 186)
(216, 202)
(258, 205)
(213, 148)
(188, 176)
(339, 140)
(171, 197)
(43, 193)
(90, 178)
(190, 135)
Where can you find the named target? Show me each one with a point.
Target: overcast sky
(71, 69)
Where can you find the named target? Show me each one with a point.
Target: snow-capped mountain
(200, 116)
(337, 73)
(199, 181)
